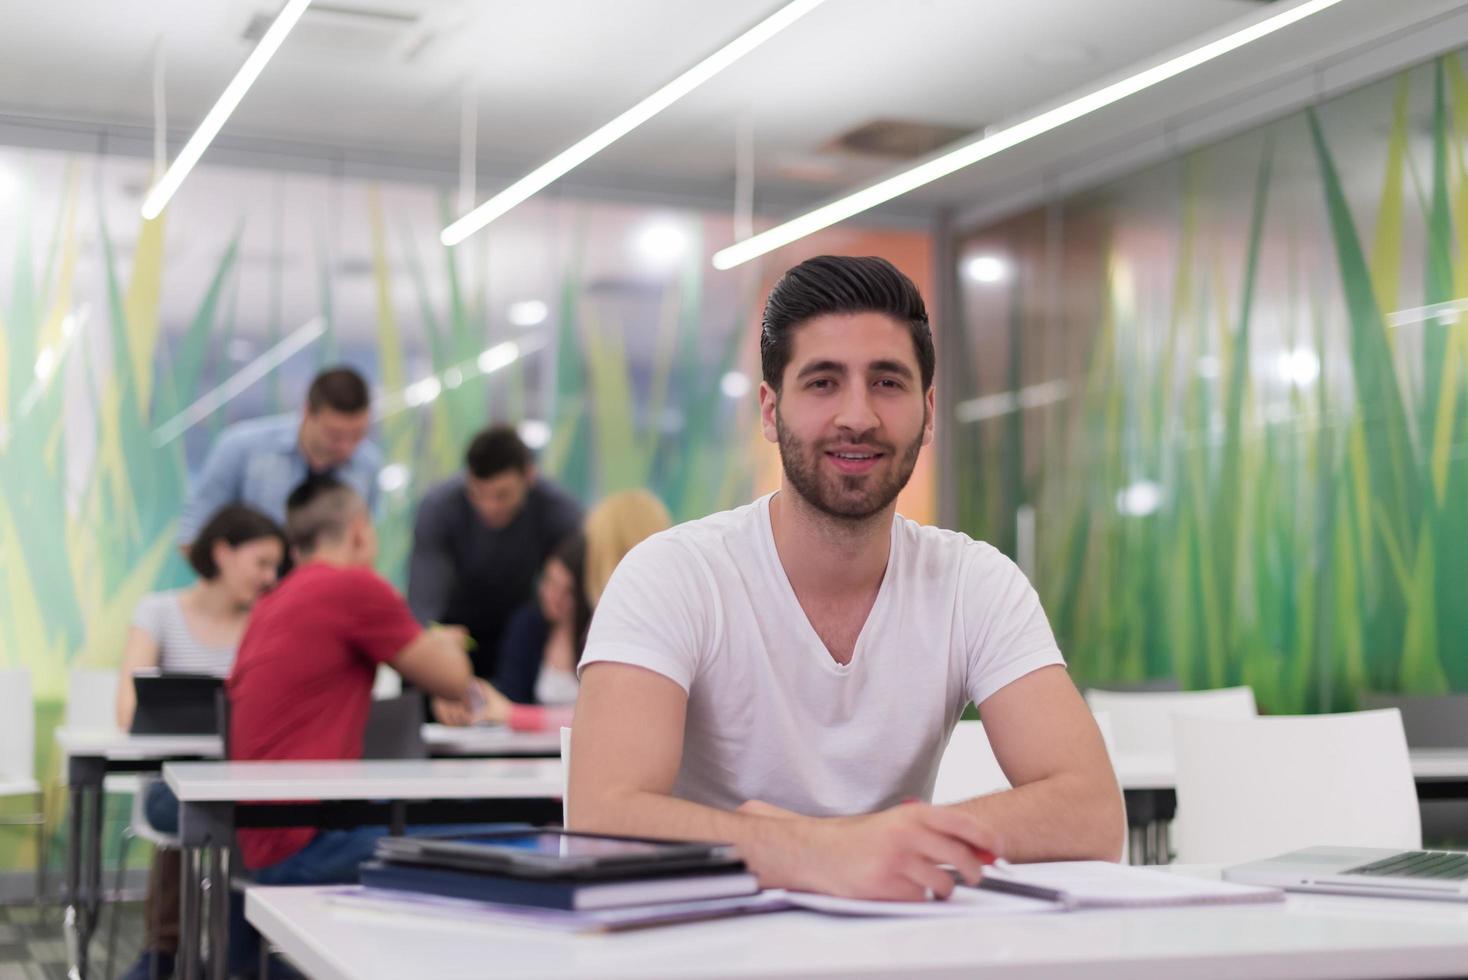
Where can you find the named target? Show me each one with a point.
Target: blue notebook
(556, 894)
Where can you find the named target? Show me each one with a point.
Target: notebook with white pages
(1103, 885)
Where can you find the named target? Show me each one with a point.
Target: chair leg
(124, 845)
(41, 855)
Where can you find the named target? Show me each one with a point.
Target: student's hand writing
(894, 854)
(482, 705)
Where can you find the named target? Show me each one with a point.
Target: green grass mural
(1301, 433)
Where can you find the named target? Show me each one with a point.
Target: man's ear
(769, 403)
(930, 415)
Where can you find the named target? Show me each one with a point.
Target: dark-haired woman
(193, 630)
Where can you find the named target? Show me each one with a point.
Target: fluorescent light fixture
(578, 153)
(986, 269)
(528, 312)
(159, 196)
(1299, 367)
(534, 433)
(393, 477)
(1140, 499)
(662, 243)
(499, 356)
(1445, 314)
(996, 142)
(211, 402)
(734, 384)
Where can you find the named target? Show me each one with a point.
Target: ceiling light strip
(578, 153)
(989, 145)
(163, 191)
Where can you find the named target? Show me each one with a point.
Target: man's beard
(850, 499)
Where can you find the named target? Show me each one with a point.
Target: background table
(90, 756)
(334, 794)
(1305, 936)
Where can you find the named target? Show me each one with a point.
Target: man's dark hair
(340, 389)
(319, 510)
(495, 450)
(841, 284)
(234, 524)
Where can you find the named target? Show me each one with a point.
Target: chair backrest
(17, 726)
(1432, 721)
(91, 699)
(565, 776)
(1142, 720)
(968, 767)
(395, 728)
(1150, 685)
(1256, 787)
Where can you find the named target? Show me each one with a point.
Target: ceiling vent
(354, 31)
(896, 139)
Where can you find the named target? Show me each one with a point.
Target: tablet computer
(559, 854)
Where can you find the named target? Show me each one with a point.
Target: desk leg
(188, 893)
(83, 886)
(219, 891)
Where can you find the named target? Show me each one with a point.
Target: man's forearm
(1066, 817)
(769, 845)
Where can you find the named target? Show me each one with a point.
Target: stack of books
(574, 873)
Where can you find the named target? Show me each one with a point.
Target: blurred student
(192, 631)
(536, 686)
(301, 687)
(481, 537)
(260, 461)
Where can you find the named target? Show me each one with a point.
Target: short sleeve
(1006, 630)
(658, 612)
(149, 613)
(382, 625)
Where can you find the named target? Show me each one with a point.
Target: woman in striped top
(195, 630)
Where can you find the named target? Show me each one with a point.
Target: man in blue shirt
(260, 461)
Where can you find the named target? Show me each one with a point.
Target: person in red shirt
(301, 686)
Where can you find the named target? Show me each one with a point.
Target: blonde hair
(613, 528)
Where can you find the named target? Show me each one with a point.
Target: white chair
(91, 705)
(565, 776)
(1142, 720)
(1253, 788)
(18, 761)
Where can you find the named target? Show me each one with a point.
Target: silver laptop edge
(1319, 870)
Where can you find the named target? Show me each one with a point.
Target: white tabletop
(388, 779)
(1157, 770)
(1306, 936)
(109, 743)
(498, 741)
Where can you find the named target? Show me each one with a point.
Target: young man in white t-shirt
(785, 676)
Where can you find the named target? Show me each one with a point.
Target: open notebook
(1103, 885)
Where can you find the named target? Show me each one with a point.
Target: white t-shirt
(771, 716)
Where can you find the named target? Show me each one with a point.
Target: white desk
(90, 755)
(361, 793)
(1306, 936)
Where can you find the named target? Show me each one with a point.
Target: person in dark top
(481, 538)
(544, 638)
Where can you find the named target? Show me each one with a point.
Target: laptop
(1373, 871)
(176, 704)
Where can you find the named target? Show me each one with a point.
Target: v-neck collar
(813, 639)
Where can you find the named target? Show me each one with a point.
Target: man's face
(329, 438)
(497, 499)
(851, 415)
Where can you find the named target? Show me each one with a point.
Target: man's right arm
(435, 662)
(625, 755)
(218, 484)
(431, 566)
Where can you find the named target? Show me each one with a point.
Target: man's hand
(480, 705)
(892, 855)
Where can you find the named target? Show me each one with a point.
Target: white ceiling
(548, 71)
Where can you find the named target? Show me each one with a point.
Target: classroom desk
(334, 794)
(1305, 936)
(90, 756)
